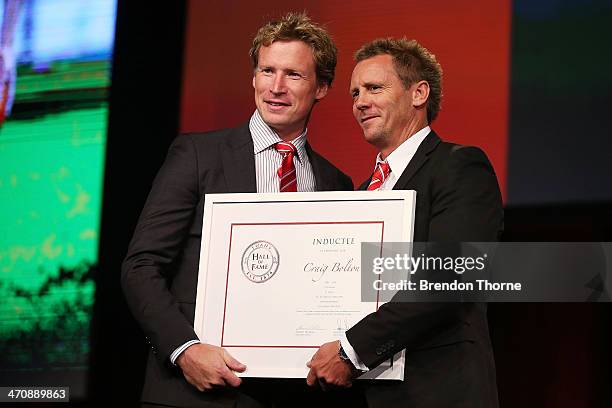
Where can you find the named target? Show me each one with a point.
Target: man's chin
(274, 123)
(279, 125)
(373, 138)
(274, 118)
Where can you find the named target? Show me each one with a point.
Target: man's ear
(420, 94)
(253, 80)
(321, 91)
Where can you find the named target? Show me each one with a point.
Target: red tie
(380, 175)
(286, 172)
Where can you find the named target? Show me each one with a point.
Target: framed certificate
(280, 274)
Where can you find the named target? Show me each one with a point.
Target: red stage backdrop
(470, 40)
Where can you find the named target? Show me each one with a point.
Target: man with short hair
(294, 61)
(396, 88)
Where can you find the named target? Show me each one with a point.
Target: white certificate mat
(280, 274)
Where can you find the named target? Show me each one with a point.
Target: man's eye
(266, 70)
(375, 87)
(355, 94)
(294, 75)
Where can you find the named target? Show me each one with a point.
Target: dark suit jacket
(160, 271)
(449, 360)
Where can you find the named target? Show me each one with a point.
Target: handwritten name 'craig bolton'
(318, 270)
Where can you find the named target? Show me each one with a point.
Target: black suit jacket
(160, 271)
(449, 360)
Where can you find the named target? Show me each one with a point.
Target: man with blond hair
(294, 61)
(396, 87)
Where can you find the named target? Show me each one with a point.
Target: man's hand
(207, 367)
(327, 369)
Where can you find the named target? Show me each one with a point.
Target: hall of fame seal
(260, 261)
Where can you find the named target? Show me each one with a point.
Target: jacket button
(379, 351)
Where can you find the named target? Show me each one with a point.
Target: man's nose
(278, 85)
(361, 102)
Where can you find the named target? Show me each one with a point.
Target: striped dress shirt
(268, 160)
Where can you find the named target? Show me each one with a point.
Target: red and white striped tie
(286, 172)
(380, 175)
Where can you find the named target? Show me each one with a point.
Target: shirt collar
(264, 137)
(399, 158)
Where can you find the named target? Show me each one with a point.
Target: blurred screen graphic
(55, 61)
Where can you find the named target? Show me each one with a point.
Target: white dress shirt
(268, 160)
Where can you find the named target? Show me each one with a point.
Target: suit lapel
(322, 172)
(238, 160)
(420, 157)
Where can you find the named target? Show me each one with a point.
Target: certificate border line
(382, 240)
(308, 223)
(305, 201)
(381, 222)
(296, 347)
(227, 282)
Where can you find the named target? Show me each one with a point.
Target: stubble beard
(378, 138)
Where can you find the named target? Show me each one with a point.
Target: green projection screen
(55, 60)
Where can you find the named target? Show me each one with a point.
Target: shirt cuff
(350, 352)
(182, 348)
